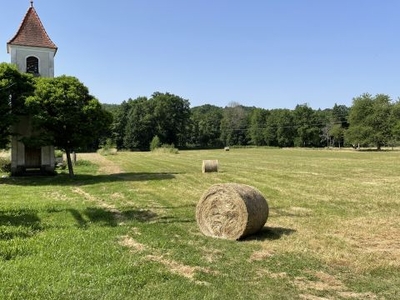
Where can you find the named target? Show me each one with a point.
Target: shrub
(155, 143)
(105, 152)
(83, 162)
(5, 165)
(156, 146)
(108, 148)
(58, 153)
(166, 148)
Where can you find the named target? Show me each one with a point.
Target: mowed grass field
(125, 228)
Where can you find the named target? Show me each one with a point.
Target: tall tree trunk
(69, 162)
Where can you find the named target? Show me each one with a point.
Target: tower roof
(31, 32)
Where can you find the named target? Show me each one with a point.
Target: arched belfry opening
(32, 65)
(32, 51)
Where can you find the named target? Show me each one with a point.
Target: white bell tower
(32, 51)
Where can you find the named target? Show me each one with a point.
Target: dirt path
(106, 166)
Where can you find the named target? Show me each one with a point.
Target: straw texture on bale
(209, 166)
(231, 211)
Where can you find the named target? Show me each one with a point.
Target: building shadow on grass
(270, 233)
(85, 179)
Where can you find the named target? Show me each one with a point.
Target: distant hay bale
(226, 148)
(231, 211)
(210, 166)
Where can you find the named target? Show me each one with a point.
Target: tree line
(371, 121)
(68, 117)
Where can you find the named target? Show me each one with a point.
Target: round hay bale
(231, 211)
(210, 166)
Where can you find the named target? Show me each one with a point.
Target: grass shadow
(19, 224)
(377, 150)
(84, 179)
(270, 233)
(104, 217)
(19, 218)
(171, 219)
(191, 205)
(139, 215)
(79, 218)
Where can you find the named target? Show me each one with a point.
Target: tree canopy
(14, 88)
(66, 115)
(164, 115)
(370, 120)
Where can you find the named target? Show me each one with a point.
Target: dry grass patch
(261, 255)
(211, 255)
(329, 284)
(56, 195)
(108, 207)
(106, 166)
(173, 266)
(361, 244)
(322, 282)
(361, 296)
(117, 196)
(179, 268)
(129, 242)
(375, 239)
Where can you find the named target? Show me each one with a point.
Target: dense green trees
(140, 124)
(371, 121)
(258, 121)
(308, 127)
(205, 126)
(281, 129)
(138, 121)
(234, 125)
(171, 115)
(337, 125)
(14, 88)
(120, 120)
(63, 107)
(395, 121)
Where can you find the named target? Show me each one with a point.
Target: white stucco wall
(48, 157)
(19, 54)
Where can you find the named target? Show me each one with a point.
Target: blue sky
(262, 53)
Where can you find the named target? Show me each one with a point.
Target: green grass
(333, 230)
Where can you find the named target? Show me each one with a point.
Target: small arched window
(32, 65)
